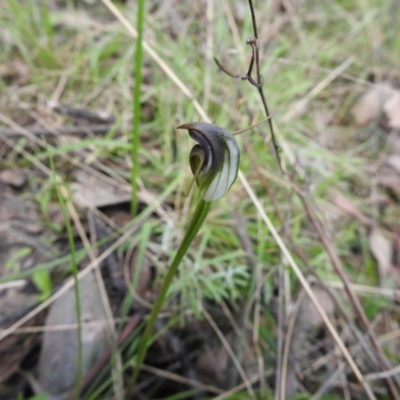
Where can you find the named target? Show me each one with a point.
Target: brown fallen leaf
(381, 249)
(394, 162)
(308, 316)
(58, 356)
(394, 142)
(90, 191)
(370, 105)
(14, 301)
(382, 98)
(213, 363)
(13, 177)
(390, 181)
(392, 109)
(13, 70)
(307, 322)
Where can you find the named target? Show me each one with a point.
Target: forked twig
(258, 81)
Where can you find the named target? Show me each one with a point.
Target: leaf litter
(91, 191)
(382, 249)
(57, 368)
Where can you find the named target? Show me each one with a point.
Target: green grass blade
(136, 105)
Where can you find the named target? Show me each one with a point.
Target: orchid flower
(214, 160)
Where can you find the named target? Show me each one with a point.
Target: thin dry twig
(238, 388)
(181, 379)
(257, 83)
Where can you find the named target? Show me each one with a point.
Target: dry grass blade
(181, 379)
(240, 387)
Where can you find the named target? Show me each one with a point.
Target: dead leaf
(380, 98)
(392, 109)
(370, 105)
(13, 300)
(390, 181)
(13, 70)
(13, 177)
(58, 356)
(20, 213)
(394, 162)
(118, 216)
(213, 363)
(308, 316)
(394, 142)
(307, 320)
(90, 191)
(381, 248)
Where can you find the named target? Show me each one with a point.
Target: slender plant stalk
(136, 105)
(75, 275)
(195, 223)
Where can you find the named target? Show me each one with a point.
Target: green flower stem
(195, 223)
(136, 105)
